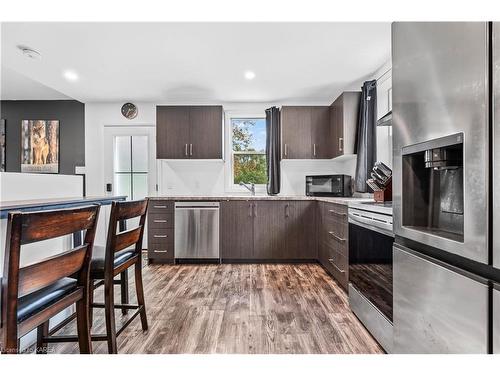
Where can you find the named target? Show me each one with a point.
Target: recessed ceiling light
(70, 75)
(249, 75)
(30, 52)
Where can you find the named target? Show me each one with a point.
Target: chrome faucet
(250, 187)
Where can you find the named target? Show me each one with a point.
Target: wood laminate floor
(238, 308)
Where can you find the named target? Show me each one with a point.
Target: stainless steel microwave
(333, 185)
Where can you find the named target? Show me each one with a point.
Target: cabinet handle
(159, 206)
(336, 237)
(190, 149)
(186, 149)
(341, 143)
(250, 210)
(160, 236)
(159, 221)
(337, 213)
(286, 149)
(287, 210)
(160, 251)
(334, 265)
(314, 149)
(255, 209)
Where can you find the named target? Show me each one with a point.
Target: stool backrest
(26, 228)
(121, 211)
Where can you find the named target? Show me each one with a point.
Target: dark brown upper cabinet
(306, 132)
(189, 132)
(321, 132)
(172, 132)
(344, 113)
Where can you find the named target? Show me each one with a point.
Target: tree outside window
(249, 150)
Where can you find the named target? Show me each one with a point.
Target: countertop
(53, 203)
(338, 200)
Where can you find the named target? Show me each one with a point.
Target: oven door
(370, 263)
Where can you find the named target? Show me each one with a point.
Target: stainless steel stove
(370, 268)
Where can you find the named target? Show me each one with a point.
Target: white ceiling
(16, 86)
(197, 62)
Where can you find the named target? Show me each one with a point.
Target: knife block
(385, 194)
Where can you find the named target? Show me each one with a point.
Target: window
(249, 150)
(131, 166)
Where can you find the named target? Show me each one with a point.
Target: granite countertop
(338, 200)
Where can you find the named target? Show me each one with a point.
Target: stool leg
(124, 289)
(82, 324)
(42, 331)
(109, 312)
(11, 343)
(91, 302)
(140, 294)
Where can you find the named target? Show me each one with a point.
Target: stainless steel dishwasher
(196, 230)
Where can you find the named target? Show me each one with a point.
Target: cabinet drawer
(334, 242)
(160, 237)
(161, 249)
(165, 220)
(335, 210)
(336, 265)
(339, 261)
(160, 207)
(335, 219)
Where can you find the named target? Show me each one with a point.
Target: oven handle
(368, 223)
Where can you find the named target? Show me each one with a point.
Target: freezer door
(496, 319)
(437, 310)
(496, 144)
(440, 88)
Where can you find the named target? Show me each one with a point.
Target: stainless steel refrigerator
(446, 134)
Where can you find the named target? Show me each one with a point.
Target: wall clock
(129, 110)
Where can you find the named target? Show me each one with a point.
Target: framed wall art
(40, 146)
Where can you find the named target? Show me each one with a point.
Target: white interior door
(130, 162)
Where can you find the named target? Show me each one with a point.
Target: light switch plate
(80, 169)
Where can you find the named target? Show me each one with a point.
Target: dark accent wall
(71, 116)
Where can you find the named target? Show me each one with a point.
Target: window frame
(230, 185)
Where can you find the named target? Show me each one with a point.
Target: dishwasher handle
(198, 208)
(198, 205)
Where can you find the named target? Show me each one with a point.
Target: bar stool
(34, 293)
(115, 259)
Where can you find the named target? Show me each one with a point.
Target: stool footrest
(95, 337)
(117, 306)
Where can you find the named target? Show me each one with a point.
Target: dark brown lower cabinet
(301, 239)
(268, 230)
(269, 236)
(265, 230)
(333, 247)
(236, 230)
(161, 231)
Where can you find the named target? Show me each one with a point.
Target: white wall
(97, 116)
(190, 177)
(293, 172)
(20, 186)
(384, 104)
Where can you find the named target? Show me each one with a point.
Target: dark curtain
(366, 142)
(273, 150)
